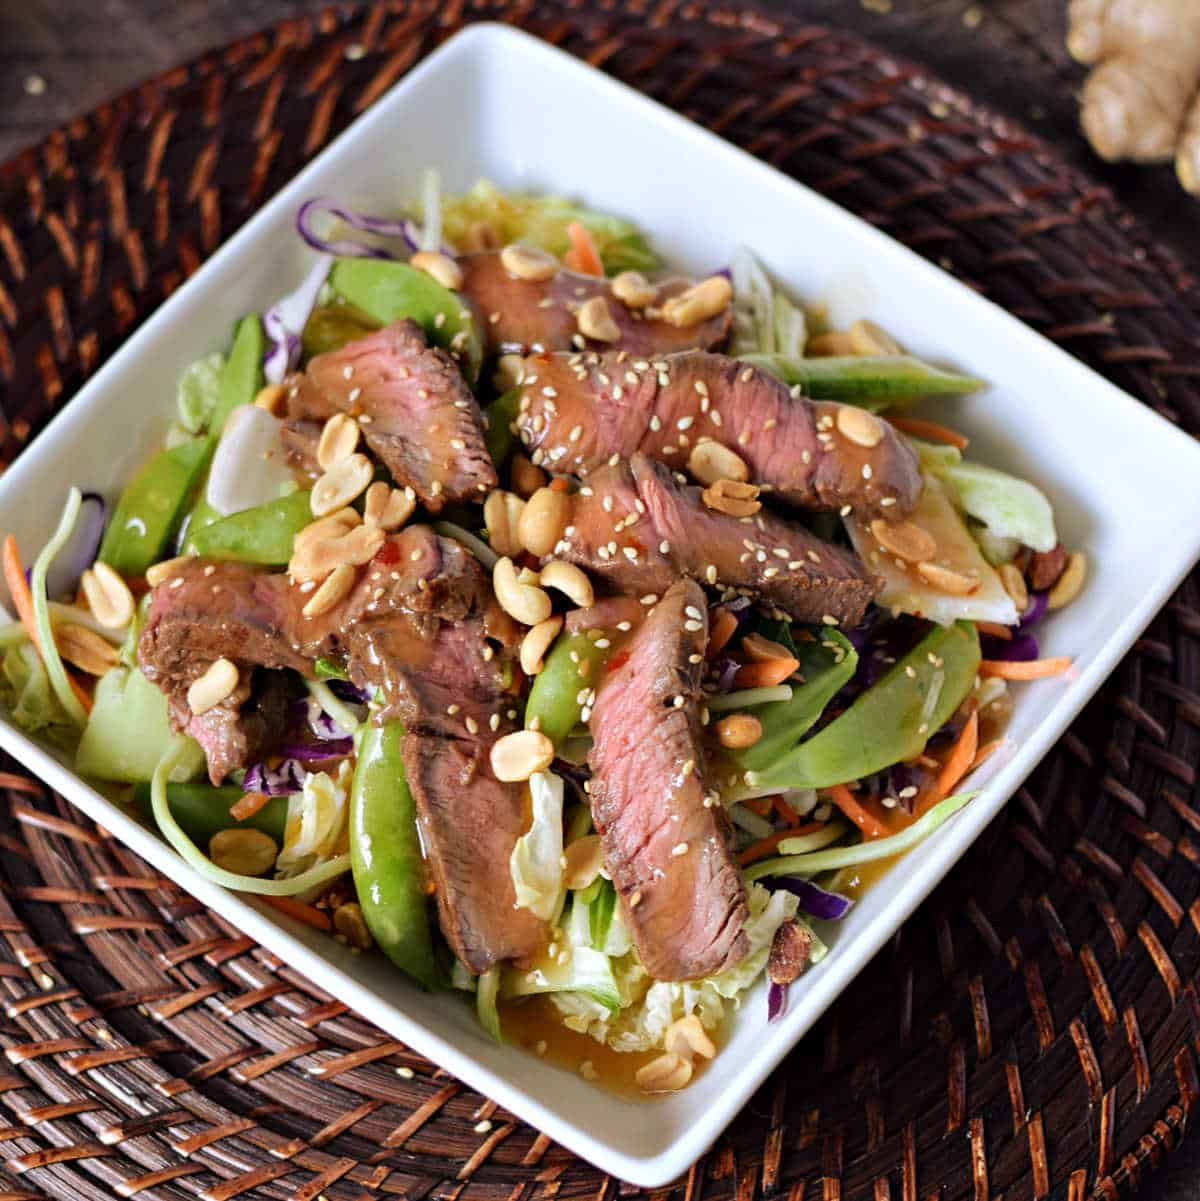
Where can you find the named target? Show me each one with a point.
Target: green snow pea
(387, 291)
(499, 416)
(263, 534)
(242, 375)
(203, 810)
(385, 855)
(890, 722)
(150, 507)
(331, 326)
(573, 664)
(871, 382)
(825, 670)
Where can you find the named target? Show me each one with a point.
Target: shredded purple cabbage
(727, 670)
(382, 227)
(79, 553)
(1020, 649)
(318, 752)
(283, 780)
(814, 900)
(284, 322)
(776, 1001)
(1038, 602)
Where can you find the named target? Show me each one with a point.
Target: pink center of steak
(416, 412)
(665, 837)
(638, 529)
(578, 411)
(519, 315)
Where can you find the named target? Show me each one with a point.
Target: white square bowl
(497, 103)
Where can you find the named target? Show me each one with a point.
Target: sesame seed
(829, 620)
(685, 423)
(866, 471)
(452, 709)
(651, 598)
(457, 443)
(472, 725)
(483, 1127)
(846, 510)
(680, 848)
(710, 573)
(747, 375)
(911, 672)
(655, 423)
(887, 501)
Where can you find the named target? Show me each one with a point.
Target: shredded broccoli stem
(748, 697)
(195, 858)
(41, 611)
(863, 852)
(486, 992)
(431, 209)
(339, 711)
(475, 545)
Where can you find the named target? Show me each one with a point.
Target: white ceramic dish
(494, 102)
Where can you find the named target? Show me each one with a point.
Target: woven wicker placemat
(1031, 1032)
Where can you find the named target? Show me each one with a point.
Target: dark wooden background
(59, 58)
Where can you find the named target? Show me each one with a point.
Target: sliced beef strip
(577, 411)
(639, 529)
(416, 411)
(454, 707)
(665, 836)
(300, 440)
(519, 315)
(420, 626)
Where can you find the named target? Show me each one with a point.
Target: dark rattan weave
(1032, 1030)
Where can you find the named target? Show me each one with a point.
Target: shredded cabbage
(765, 321)
(1009, 507)
(536, 860)
(648, 1007)
(431, 210)
(248, 467)
(31, 703)
(342, 714)
(542, 221)
(316, 827)
(196, 859)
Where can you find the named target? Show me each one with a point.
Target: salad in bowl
(580, 636)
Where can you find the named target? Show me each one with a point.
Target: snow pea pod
(890, 722)
(387, 291)
(385, 855)
(203, 810)
(863, 379)
(572, 667)
(242, 376)
(150, 507)
(331, 326)
(263, 534)
(825, 666)
(499, 417)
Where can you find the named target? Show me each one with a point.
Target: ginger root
(1142, 99)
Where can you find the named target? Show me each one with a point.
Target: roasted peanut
(243, 852)
(502, 512)
(666, 1074)
(595, 321)
(342, 483)
(904, 540)
(525, 602)
(519, 755)
(210, 689)
(441, 266)
(710, 462)
(700, 302)
(542, 520)
(585, 858)
(569, 580)
(1070, 583)
(338, 441)
(738, 731)
(633, 289)
(528, 262)
(859, 426)
(731, 497)
(537, 642)
(947, 580)
(867, 338)
(108, 596)
(687, 1038)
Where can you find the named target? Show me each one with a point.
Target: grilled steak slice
(637, 528)
(451, 699)
(300, 440)
(577, 411)
(245, 726)
(519, 315)
(420, 627)
(417, 413)
(666, 839)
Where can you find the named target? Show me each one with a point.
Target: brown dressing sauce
(533, 1024)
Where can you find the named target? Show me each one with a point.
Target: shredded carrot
(765, 846)
(760, 806)
(248, 805)
(986, 752)
(765, 673)
(22, 598)
(857, 812)
(558, 484)
(994, 629)
(921, 428)
(310, 915)
(785, 811)
(1030, 669)
(723, 626)
(583, 255)
(957, 764)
